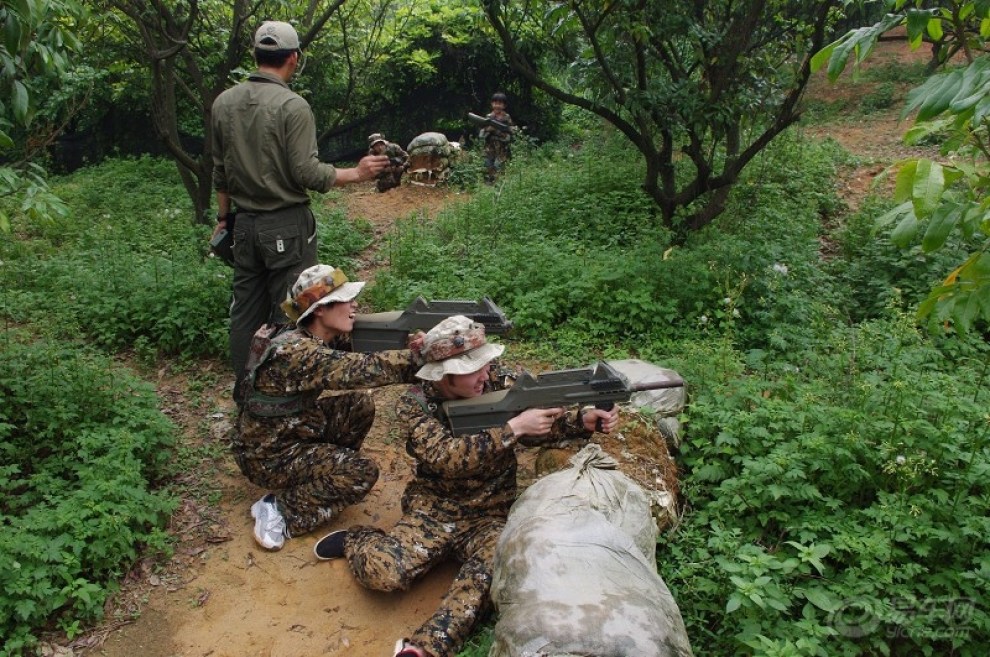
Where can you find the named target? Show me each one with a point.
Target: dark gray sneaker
(269, 525)
(330, 546)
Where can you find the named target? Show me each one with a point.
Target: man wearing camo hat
(463, 488)
(290, 440)
(264, 162)
(398, 161)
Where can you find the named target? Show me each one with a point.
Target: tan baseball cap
(276, 35)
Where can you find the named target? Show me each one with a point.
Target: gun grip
(605, 406)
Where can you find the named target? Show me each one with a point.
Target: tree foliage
(37, 39)
(191, 51)
(939, 199)
(698, 88)
(362, 57)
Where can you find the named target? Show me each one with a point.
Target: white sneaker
(405, 649)
(269, 525)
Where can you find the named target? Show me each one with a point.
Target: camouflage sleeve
(433, 445)
(309, 365)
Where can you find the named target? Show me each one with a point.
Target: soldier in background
(398, 161)
(303, 447)
(458, 501)
(497, 140)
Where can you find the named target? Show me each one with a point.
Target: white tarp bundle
(665, 404)
(575, 571)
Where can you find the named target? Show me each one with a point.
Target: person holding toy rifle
(464, 484)
(265, 161)
(303, 446)
(497, 135)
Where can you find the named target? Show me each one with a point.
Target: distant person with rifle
(497, 134)
(398, 161)
(264, 162)
(302, 446)
(458, 501)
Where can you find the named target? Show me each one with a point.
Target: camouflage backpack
(266, 339)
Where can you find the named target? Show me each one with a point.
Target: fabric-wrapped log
(575, 571)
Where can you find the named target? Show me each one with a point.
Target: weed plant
(82, 445)
(838, 503)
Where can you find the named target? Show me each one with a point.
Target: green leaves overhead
(37, 37)
(941, 199)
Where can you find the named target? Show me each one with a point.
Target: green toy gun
(603, 384)
(485, 122)
(390, 330)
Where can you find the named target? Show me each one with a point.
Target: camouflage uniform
(398, 162)
(306, 449)
(455, 506)
(497, 144)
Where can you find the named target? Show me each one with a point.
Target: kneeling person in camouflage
(304, 447)
(457, 503)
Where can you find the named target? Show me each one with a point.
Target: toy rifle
(390, 330)
(602, 384)
(485, 122)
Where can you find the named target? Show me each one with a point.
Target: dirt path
(222, 596)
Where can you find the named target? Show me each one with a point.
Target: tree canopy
(939, 199)
(38, 36)
(698, 88)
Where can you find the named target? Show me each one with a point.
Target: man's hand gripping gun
(390, 330)
(603, 384)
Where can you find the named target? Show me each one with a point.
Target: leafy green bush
(882, 97)
(82, 444)
(570, 247)
(838, 502)
(132, 275)
(870, 272)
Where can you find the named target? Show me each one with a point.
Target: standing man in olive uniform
(264, 162)
(304, 447)
(463, 487)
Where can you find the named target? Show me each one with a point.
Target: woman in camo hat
(464, 485)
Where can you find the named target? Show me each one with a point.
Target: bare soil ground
(223, 596)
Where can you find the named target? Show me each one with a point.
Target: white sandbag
(575, 572)
(664, 404)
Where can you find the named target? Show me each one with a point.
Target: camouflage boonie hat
(456, 346)
(375, 138)
(318, 286)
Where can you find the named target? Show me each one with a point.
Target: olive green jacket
(264, 146)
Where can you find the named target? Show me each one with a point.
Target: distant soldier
(497, 140)
(301, 446)
(398, 161)
(464, 485)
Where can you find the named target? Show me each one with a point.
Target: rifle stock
(602, 384)
(390, 330)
